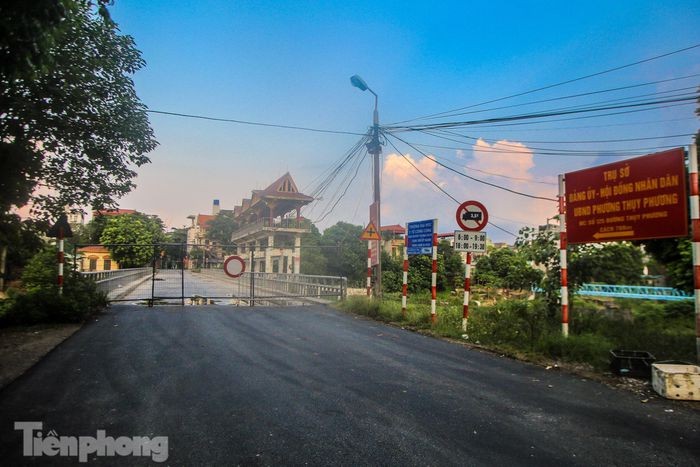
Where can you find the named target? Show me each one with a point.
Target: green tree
(508, 269)
(313, 261)
(676, 256)
(346, 254)
(130, 238)
(69, 116)
(220, 229)
(609, 263)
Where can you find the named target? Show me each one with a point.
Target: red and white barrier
(61, 261)
(467, 290)
(433, 279)
(369, 268)
(562, 260)
(404, 286)
(695, 223)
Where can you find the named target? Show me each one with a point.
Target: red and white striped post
(562, 260)
(433, 279)
(404, 286)
(695, 222)
(369, 268)
(467, 290)
(61, 260)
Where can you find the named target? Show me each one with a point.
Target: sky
(289, 63)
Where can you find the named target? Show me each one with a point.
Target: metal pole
(183, 253)
(695, 222)
(252, 277)
(375, 148)
(562, 260)
(153, 279)
(433, 278)
(404, 286)
(61, 260)
(467, 290)
(369, 268)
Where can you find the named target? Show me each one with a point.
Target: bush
(40, 302)
(590, 348)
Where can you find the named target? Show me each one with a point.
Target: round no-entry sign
(472, 216)
(234, 266)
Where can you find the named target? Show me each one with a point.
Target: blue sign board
(419, 237)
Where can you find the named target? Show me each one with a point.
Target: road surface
(309, 385)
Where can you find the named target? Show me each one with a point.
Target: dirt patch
(21, 347)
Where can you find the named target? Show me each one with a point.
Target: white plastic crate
(676, 381)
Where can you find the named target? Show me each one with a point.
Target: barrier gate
(193, 275)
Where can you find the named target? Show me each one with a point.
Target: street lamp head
(358, 82)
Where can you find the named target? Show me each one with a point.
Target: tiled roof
(113, 212)
(204, 219)
(394, 228)
(93, 249)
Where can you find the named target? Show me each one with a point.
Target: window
(107, 264)
(93, 264)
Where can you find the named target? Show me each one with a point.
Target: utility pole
(374, 147)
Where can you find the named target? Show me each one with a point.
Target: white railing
(110, 281)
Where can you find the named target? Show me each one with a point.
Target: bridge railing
(300, 285)
(118, 281)
(634, 291)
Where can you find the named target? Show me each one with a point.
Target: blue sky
(290, 62)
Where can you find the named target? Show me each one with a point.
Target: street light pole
(374, 147)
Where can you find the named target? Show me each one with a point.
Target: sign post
(472, 216)
(60, 230)
(234, 266)
(371, 235)
(695, 222)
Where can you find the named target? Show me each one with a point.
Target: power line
(493, 174)
(245, 122)
(585, 127)
(550, 86)
(438, 186)
(548, 113)
(590, 141)
(527, 195)
(573, 96)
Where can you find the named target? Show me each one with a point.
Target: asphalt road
(309, 385)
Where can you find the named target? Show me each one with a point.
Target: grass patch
(527, 328)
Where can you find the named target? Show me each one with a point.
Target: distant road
(309, 385)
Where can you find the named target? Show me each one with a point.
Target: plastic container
(676, 381)
(632, 363)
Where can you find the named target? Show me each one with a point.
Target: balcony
(272, 225)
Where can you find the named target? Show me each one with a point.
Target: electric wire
(520, 193)
(546, 113)
(562, 83)
(573, 96)
(246, 122)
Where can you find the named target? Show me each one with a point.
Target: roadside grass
(527, 329)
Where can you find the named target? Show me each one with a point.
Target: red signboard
(634, 199)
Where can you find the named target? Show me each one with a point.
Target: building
(271, 227)
(393, 240)
(95, 258)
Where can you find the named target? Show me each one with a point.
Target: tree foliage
(220, 228)
(609, 263)
(130, 238)
(70, 120)
(508, 269)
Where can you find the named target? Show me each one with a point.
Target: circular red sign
(472, 216)
(234, 266)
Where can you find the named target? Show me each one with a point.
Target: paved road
(310, 385)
